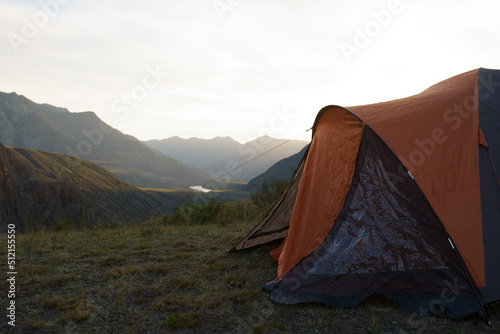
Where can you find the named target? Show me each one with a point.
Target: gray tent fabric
(274, 226)
(489, 157)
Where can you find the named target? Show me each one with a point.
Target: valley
(61, 166)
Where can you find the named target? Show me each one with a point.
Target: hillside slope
(218, 155)
(24, 123)
(283, 169)
(39, 188)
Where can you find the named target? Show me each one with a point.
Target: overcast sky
(239, 68)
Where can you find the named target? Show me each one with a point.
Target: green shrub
(245, 210)
(268, 193)
(67, 225)
(211, 212)
(111, 225)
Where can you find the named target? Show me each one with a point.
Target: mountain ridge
(218, 155)
(283, 170)
(172, 163)
(24, 123)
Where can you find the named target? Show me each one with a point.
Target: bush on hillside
(219, 213)
(211, 212)
(268, 193)
(66, 225)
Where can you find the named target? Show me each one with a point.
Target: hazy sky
(239, 68)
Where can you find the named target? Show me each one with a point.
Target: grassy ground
(105, 281)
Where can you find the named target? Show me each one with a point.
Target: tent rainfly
(400, 198)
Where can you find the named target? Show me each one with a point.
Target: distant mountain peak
(18, 103)
(217, 139)
(220, 154)
(83, 134)
(224, 139)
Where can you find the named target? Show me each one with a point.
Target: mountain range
(60, 165)
(221, 154)
(167, 163)
(24, 123)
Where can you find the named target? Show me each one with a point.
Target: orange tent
(399, 198)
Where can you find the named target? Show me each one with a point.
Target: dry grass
(55, 280)
(104, 281)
